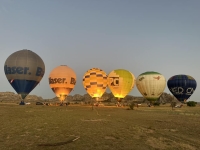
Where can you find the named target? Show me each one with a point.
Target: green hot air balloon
(24, 69)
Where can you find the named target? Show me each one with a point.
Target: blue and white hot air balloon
(24, 69)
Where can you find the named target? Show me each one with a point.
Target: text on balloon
(180, 90)
(61, 80)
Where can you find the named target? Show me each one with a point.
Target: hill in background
(107, 97)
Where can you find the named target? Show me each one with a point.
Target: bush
(156, 103)
(191, 103)
(132, 105)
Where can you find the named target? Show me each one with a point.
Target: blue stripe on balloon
(23, 86)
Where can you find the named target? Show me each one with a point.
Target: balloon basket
(62, 104)
(22, 103)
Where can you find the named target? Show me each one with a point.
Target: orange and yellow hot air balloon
(95, 82)
(62, 80)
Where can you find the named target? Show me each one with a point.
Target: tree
(173, 104)
(191, 103)
(132, 105)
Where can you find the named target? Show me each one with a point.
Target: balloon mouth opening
(62, 97)
(96, 98)
(119, 99)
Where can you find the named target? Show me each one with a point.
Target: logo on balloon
(61, 80)
(15, 70)
(141, 78)
(180, 90)
(39, 72)
(22, 70)
(158, 77)
(145, 94)
(73, 81)
(114, 81)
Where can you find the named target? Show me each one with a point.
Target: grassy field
(104, 128)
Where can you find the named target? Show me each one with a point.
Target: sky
(136, 35)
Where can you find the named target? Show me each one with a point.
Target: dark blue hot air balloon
(24, 69)
(182, 86)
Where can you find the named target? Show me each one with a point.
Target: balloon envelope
(95, 82)
(24, 69)
(121, 82)
(151, 85)
(62, 80)
(182, 86)
(133, 83)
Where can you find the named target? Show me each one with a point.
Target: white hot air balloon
(151, 85)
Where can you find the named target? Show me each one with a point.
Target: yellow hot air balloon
(121, 82)
(62, 80)
(95, 82)
(151, 85)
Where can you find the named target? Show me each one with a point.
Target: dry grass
(105, 128)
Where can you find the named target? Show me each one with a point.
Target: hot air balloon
(121, 82)
(151, 85)
(62, 80)
(24, 69)
(95, 82)
(182, 86)
(133, 84)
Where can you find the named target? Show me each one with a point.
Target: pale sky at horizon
(136, 35)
